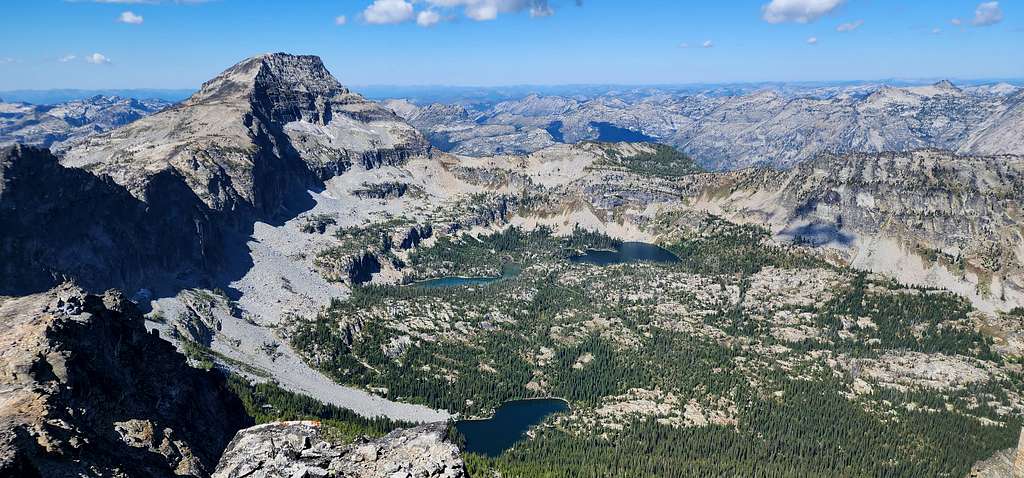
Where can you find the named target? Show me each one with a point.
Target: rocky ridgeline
(958, 212)
(303, 449)
(85, 390)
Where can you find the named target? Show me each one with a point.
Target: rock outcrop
(1003, 464)
(303, 449)
(85, 390)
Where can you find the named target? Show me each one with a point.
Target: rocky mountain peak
(269, 126)
(946, 85)
(288, 87)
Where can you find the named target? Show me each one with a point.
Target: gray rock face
(730, 132)
(86, 391)
(300, 449)
(55, 126)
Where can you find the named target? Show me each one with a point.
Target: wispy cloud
(481, 10)
(66, 58)
(849, 27)
(340, 20)
(97, 59)
(684, 45)
(707, 44)
(427, 18)
(130, 18)
(955, 22)
(798, 11)
(987, 13)
(430, 12)
(812, 40)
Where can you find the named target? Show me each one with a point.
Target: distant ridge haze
(460, 93)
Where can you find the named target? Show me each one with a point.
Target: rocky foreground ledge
(302, 449)
(85, 390)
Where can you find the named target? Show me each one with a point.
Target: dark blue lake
(614, 134)
(554, 128)
(507, 271)
(627, 252)
(508, 425)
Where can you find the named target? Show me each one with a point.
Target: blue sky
(180, 44)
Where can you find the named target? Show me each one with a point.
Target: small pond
(510, 422)
(508, 271)
(627, 252)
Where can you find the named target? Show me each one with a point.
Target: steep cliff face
(58, 223)
(86, 391)
(1000, 133)
(290, 449)
(255, 138)
(926, 216)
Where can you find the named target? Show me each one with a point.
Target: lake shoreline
(494, 410)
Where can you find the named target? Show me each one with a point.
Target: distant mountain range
(53, 125)
(734, 129)
(50, 97)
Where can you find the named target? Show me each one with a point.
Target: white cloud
(987, 13)
(481, 10)
(431, 12)
(799, 11)
(849, 27)
(340, 20)
(382, 12)
(812, 40)
(427, 18)
(936, 30)
(707, 44)
(97, 59)
(684, 45)
(130, 18)
(956, 21)
(66, 58)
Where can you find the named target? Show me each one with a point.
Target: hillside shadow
(818, 234)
